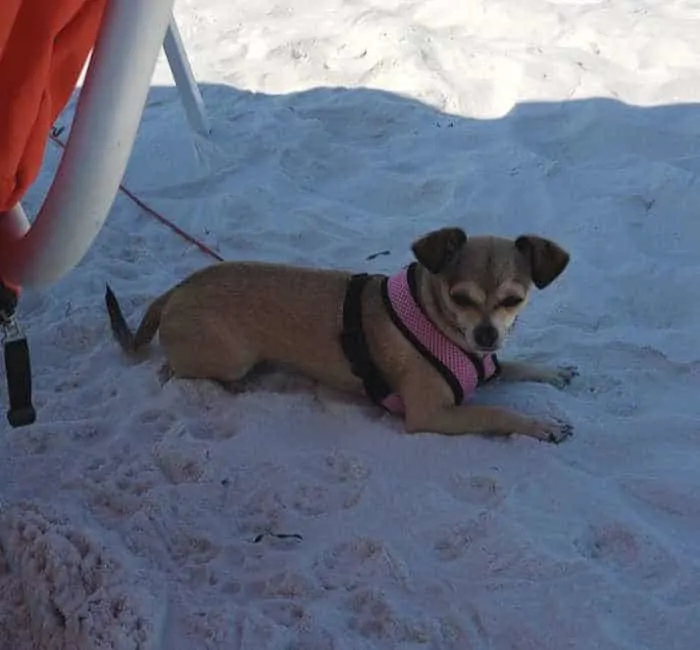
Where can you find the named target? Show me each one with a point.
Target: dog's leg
(489, 420)
(517, 371)
(430, 409)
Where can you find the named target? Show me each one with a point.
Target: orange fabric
(43, 47)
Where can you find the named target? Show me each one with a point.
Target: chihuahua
(416, 343)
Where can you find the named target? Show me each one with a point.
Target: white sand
(128, 512)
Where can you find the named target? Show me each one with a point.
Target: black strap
(354, 342)
(478, 363)
(17, 365)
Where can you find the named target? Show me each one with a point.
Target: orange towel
(43, 47)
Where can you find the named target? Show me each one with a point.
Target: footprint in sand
(260, 508)
(41, 439)
(218, 625)
(337, 467)
(373, 617)
(453, 542)
(391, 621)
(116, 485)
(475, 490)
(286, 613)
(181, 458)
(314, 500)
(357, 562)
(191, 549)
(489, 547)
(319, 488)
(89, 431)
(337, 482)
(280, 593)
(632, 555)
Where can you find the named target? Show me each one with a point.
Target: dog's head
(479, 285)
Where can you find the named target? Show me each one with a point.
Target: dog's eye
(510, 302)
(463, 301)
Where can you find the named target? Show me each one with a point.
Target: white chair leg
(102, 135)
(14, 224)
(184, 79)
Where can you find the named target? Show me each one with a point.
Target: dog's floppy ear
(440, 248)
(547, 260)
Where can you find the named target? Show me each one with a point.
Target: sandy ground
(135, 516)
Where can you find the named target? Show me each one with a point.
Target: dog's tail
(131, 343)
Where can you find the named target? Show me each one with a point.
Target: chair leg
(184, 79)
(14, 224)
(102, 135)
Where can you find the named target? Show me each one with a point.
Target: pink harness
(462, 370)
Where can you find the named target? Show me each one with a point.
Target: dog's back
(227, 317)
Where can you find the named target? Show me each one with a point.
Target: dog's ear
(437, 250)
(547, 260)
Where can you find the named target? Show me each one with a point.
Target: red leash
(165, 221)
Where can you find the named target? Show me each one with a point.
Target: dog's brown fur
(225, 319)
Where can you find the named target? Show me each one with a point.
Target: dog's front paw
(555, 430)
(563, 376)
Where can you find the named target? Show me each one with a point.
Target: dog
(416, 343)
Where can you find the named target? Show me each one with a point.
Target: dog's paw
(563, 376)
(554, 430)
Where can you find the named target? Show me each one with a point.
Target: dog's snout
(485, 335)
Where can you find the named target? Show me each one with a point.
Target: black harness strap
(354, 342)
(17, 367)
(478, 363)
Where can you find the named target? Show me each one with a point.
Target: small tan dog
(416, 343)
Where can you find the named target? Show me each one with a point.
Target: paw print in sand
(181, 458)
(337, 482)
(633, 555)
(476, 490)
(373, 616)
(359, 561)
(455, 541)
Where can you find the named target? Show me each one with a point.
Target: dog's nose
(485, 336)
